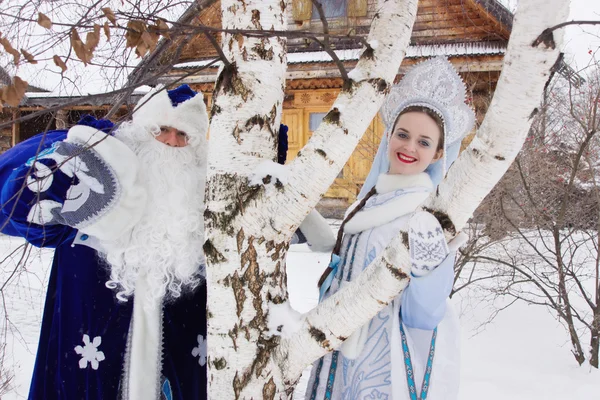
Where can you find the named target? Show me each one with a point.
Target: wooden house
(473, 34)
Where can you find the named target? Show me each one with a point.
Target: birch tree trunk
(254, 206)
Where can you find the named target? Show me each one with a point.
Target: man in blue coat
(125, 313)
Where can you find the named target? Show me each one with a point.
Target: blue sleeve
(18, 200)
(424, 300)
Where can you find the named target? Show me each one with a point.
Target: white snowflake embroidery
(89, 353)
(200, 351)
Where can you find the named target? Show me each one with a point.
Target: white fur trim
(83, 239)
(402, 205)
(380, 215)
(128, 209)
(355, 344)
(146, 346)
(155, 108)
(317, 232)
(389, 182)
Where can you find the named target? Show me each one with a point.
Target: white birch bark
(249, 225)
(504, 129)
(244, 269)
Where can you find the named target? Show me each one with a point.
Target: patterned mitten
(428, 247)
(104, 197)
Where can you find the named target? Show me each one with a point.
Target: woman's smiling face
(414, 143)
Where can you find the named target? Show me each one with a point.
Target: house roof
(437, 22)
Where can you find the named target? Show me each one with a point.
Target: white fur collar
(397, 195)
(389, 182)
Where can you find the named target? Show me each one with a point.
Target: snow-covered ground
(522, 355)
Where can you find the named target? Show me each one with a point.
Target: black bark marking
(238, 292)
(398, 273)
(220, 363)
(227, 281)
(240, 239)
(269, 390)
(229, 82)
(236, 134)
(500, 158)
(547, 38)
(256, 19)
(273, 116)
(266, 180)
(443, 219)
(321, 153)
(270, 245)
(264, 350)
(405, 238)
(212, 254)
(261, 50)
(534, 113)
(233, 334)
(215, 109)
(244, 195)
(477, 153)
(317, 334)
(368, 54)
(278, 300)
(333, 117)
(380, 85)
(254, 279)
(261, 121)
(348, 85)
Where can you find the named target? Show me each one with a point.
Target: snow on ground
(522, 355)
(21, 317)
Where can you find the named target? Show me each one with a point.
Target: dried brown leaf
(80, 50)
(92, 39)
(44, 21)
(28, 56)
(60, 63)
(134, 33)
(163, 28)
(107, 31)
(108, 13)
(11, 50)
(13, 93)
(141, 49)
(150, 39)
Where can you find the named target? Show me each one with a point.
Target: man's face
(172, 137)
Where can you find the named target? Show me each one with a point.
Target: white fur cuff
(127, 209)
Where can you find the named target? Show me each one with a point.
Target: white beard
(166, 245)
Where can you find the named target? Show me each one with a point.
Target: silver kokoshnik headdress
(436, 85)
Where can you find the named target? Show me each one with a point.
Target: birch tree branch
(319, 162)
(504, 129)
(329, 324)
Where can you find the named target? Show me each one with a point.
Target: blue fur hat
(180, 108)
